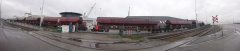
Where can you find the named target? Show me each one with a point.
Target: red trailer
(106, 23)
(22, 20)
(32, 20)
(173, 24)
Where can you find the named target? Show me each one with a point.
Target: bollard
(214, 30)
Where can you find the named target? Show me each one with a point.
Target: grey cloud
(226, 9)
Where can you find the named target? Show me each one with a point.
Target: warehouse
(71, 19)
(155, 17)
(74, 20)
(133, 23)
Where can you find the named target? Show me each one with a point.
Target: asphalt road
(12, 39)
(231, 41)
(3, 41)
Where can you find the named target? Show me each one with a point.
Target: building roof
(156, 17)
(178, 22)
(37, 16)
(32, 18)
(62, 19)
(126, 21)
(70, 13)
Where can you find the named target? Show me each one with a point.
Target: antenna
(233, 18)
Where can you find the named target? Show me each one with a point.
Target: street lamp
(41, 14)
(1, 13)
(196, 9)
(206, 16)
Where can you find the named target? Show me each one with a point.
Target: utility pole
(41, 14)
(129, 11)
(206, 16)
(196, 9)
(197, 25)
(1, 13)
(233, 18)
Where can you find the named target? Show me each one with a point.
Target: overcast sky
(185, 9)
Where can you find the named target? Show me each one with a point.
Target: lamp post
(41, 20)
(1, 13)
(233, 18)
(196, 9)
(206, 16)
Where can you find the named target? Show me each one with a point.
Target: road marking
(185, 45)
(238, 32)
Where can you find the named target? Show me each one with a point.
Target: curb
(46, 41)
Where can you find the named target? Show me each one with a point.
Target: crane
(89, 12)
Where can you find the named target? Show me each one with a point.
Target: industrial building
(141, 23)
(90, 23)
(156, 17)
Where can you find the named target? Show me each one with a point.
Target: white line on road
(238, 32)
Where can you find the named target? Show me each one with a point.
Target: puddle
(97, 41)
(89, 44)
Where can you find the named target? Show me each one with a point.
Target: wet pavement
(23, 37)
(18, 40)
(228, 41)
(3, 41)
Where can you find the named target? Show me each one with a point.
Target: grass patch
(132, 37)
